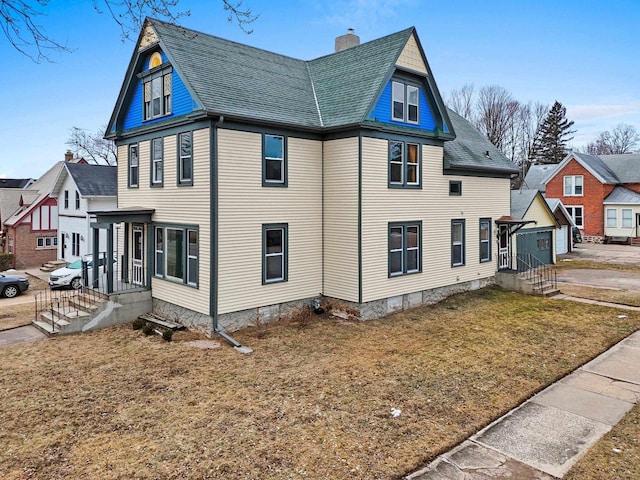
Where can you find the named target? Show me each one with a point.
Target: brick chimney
(347, 41)
(68, 156)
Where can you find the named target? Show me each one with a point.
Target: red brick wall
(25, 250)
(633, 186)
(594, 194)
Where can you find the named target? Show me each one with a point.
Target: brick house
(585, 184)
(31, 232)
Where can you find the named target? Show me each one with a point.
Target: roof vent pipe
(347, 41)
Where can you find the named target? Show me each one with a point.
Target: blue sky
(585, 54)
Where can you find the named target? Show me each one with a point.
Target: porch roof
(128, 214)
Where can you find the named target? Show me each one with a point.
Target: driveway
(612, 254)
(597, 252)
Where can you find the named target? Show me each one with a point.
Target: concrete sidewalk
(546, 435)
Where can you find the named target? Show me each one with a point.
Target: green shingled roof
(348, 82)
(472, 151)
(237, 80)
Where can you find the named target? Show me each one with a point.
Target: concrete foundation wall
(387, 306)
(120, 308)
(511, 281)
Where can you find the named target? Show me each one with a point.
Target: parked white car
(71, 275)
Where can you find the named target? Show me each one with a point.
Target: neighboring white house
(79, 189)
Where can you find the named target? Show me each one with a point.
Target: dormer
(156, 86)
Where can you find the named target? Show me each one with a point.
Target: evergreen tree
(550, 144)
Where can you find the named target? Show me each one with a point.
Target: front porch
(116, 282)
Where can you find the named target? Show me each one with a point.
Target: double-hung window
(66, 199)
(176, 254)
(404, 164)
(274, 253)
(156, 162)
(133, 165)
(405, 248)
(274, 163)
(612, 217)
(485, 240)
(405, 102)
(77, 200)
(185, 159)
(573, 185)
(577, 214)
(627, 218)
(157, 94)
(457, 243)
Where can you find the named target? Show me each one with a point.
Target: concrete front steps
(66, 312)
(518, 282)
(53, 265)
(70, 313)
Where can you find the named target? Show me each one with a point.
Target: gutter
(214, 322)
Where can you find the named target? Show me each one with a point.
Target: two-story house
(78, 189)
(251, 183)
(601, 192)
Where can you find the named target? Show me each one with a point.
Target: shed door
(537, 244)
(561, 240)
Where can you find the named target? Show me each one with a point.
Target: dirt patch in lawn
(314, 400)
(616, 455)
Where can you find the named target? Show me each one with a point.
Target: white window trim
(611, 222)
(417, 105)
(192, 257)
(400, 88)
(155, 161)
(630, 225)
(572, 210)
(183, 158)
(572, 187)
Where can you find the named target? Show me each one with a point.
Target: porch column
(96, 257)
(109, 258)
(125, 255)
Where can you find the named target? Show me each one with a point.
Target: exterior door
(561, 240)
(503, 248)
(137, 263)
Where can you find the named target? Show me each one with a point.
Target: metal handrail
(536, 271)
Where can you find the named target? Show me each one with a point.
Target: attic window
(157, 88)
(404, 102)
(155, 60)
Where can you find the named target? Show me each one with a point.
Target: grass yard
(314, 400)
(567, 264)
(617, 455)
(22, 314)
(625, 297)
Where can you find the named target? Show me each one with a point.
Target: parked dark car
(13, 285)
(575, 233)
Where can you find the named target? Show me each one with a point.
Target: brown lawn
(617, 455)
(314, 400)
(625, 297)
(16, 315)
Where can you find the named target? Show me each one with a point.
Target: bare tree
(93, 147)
(18, 21)
(622, 139)
(497, 110)
(461, 101)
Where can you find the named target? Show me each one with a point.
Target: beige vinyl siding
(245, 205)
(411, 57)
(186, 205)
(481, 198)
(341, 219)
(619, 230)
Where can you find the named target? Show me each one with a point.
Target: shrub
(6, 261)
(148, 329)
(138, 324)
(167, 334)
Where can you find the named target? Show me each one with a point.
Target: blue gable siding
(382, 111)
(181, 103)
